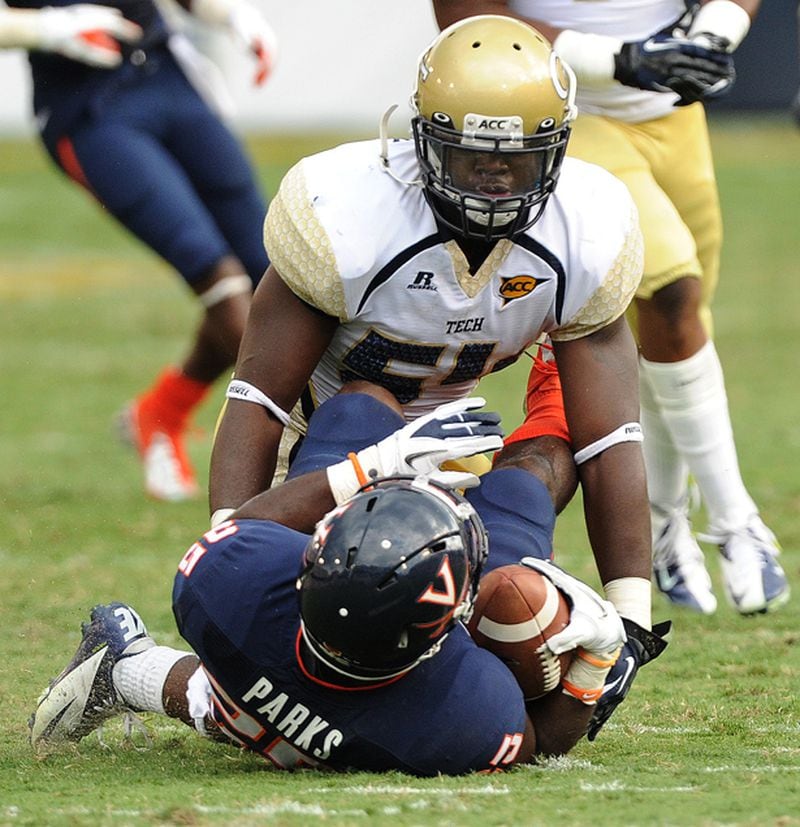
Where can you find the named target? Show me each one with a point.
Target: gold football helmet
(493, 105)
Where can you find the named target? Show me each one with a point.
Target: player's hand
(696, 86)
(594, 624)
(253, 31)
(696, 69)
(452, 431)
(641, 647)
(87, 33)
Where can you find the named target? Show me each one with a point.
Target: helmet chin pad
(480, 215)
(487, 219)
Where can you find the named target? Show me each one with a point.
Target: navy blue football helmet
(387, 575)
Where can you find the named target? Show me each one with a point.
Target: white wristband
(632, 598)
(722, 18)
(216, 12)
(20, 28)
(220, 515)
(348, 477)
(587, 674)
(225, 289)
(629, 432)
(591, 56)
(239, 389)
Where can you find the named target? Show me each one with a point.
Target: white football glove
(249, 27)
(450, 432)
(253, 31)
(86, 33)
(594, 624)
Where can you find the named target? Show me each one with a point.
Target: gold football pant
(667, 165)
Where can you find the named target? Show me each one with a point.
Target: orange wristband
(598, 662)
(360, 475)
(587, 696)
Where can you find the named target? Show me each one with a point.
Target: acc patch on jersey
(516, 287)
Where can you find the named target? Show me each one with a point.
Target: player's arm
(248, 25)
(691, 56)
(558, 721)
(450, 432)
(553, 725)
(84, 32)
(600, 384)
(451, 11)
(596, 634)
(283, 341)
(599, 375)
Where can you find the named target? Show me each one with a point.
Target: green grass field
(711, 732)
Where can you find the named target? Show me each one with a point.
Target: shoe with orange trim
(168, 472)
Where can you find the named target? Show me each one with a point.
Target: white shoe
(678, 564)
(754, 581)
(168, 473)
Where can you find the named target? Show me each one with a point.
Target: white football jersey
(625, 19)
(352, 241)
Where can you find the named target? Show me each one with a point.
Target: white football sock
(667, 472)
(694, 406)
(139, 679)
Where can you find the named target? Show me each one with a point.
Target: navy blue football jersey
(236, 603)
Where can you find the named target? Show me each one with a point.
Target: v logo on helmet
(441, 598)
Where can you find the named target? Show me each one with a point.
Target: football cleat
(83, 696)
(753, 578)
(168, 473)
(678, 564)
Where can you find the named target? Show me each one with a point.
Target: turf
(711, 732)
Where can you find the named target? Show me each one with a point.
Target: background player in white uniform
(422, 266)
(641, 76)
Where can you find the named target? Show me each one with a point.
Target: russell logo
(516, 287)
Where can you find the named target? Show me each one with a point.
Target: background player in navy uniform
(366, 666)
(644, 70)
(117, 114)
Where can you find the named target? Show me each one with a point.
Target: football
(516, 610)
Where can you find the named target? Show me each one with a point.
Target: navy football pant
(169, 170)
(514, 505)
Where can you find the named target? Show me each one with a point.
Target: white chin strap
(383, 132)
